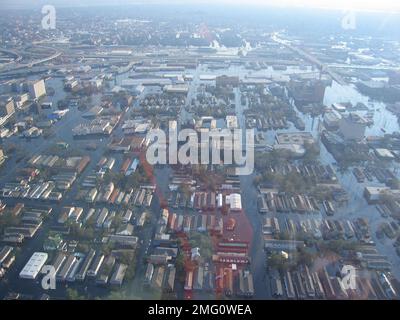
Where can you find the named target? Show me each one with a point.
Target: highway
(321, 66)
(17, 66)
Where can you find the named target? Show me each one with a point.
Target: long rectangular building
(34, 265)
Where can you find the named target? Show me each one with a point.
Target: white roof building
(235, 201)
(176, 88)
(34, 265)
(384, 153)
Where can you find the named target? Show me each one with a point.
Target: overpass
(321, 66)
(31, 64)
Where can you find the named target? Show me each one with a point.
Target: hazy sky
(380, 5)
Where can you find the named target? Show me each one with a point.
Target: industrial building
(33, 266)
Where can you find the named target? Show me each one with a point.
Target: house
(125, 230)
(125, 241)
(149, 274)
(127, 216)
(158, 278)
(91, 195)
(118, 276)
(169, 283)
(198, 279)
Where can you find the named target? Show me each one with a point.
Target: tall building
(352, 127)
(307, 92)
(6, 106)
(37, 89)
(2, 156)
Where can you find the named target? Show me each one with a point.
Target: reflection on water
(382, 118)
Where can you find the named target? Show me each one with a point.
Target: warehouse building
(34, 265)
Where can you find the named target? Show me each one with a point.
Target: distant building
(37, 89)
(21, 99)
(373, 194)
(331, 120)
(227, 80)
(232, 122)
(2, 156)
(176, 88)
(380, 90)
(339, 107)
(7, 107)
(294, 150)
(235, 201)
(306, 92)
(352, 127)
(384, 153)
(300, 138)
(282, 245)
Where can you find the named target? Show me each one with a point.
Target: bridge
(321, 66)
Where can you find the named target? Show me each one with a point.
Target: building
(95, 266)
(7, 107)
(235, 201)
(373, 194)
(118, 276)
(169, 284)
(352, 127)
(246, 285)
(300, 138)
(307, 92)
(124, 241)
(384, 153)
(223, 81)
(80, 276)
(189, 280)
(66, 268)
(232, 122)
(2, 156)
(21, 99)
(339, 107)
(176, 88)
(285, 245)
(149, 274)
(331, 120)
(37, 89)
(198, 279)
(158, 278)
(33, 266)
(293, 150)
(4, 253)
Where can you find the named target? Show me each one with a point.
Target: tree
(277, 261)
(7, 219)
(73, 294)
(312, 153)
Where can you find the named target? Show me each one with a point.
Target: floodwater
(356, 207)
